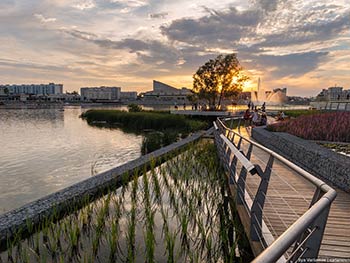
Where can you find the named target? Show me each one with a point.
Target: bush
(169, 127)
(139, 121)
(334, 126)
(151, 142)
(134, 108)
(297, 113)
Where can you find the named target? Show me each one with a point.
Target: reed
(185, 192)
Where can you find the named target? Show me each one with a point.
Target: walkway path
(289, 196)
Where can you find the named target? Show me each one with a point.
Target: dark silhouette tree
(219, 78)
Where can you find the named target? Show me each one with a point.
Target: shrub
(134, 108)
(151, 142)
(334, 126)
(297, 113)
(144, 120)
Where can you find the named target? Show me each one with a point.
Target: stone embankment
(318, 160)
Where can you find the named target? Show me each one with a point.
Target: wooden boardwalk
(289, 196)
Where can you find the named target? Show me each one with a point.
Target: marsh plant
(175, 212)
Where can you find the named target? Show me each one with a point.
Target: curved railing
(303, 238)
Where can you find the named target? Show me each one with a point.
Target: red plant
(334, 126)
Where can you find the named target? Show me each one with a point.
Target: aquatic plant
(174, 212)
(333, 126)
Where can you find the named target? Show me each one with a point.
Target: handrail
(314, 180)
(307, 231)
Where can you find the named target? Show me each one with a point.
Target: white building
(100, 93)
(165, 93)
(32, 89)
(128, 95)
(334, 93)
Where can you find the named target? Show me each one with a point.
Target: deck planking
(289, 196)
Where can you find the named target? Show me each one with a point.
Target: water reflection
(44, 150)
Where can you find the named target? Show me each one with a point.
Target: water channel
(44, 150)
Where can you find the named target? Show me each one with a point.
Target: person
(252, 105)
(280, 116)
(263, 107)
(247, 117)
(255, 118)
(249, 105)
(263, 120)
(283, 116)
(184, 106)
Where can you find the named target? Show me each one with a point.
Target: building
(333, 93)
(128, 95)
(32, 89)
(100, 93)
(164, 93)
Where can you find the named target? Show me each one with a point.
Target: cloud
(85, 4)
(291, 65)
(43, 19)
(218, 29)
(161, 15)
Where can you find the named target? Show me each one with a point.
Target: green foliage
(151, 142)
(176, 212)
(219, 78)
(134, 108)
(166, 128)
(139, 121)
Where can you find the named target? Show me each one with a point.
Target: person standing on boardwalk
(263, 107)
(255, 118)
(263, 119)
(247, 117)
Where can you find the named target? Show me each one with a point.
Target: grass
(138, 121)
(176, 212)
(331, 126)
(162, 128)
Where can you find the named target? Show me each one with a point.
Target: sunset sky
(301, 45)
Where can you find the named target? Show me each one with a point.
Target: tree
(219, 78)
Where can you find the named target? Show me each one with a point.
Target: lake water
(45, 150)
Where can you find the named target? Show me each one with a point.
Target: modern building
(32, 89)
(164, 93)
(100, 93)
(333, 93)
(128, 95)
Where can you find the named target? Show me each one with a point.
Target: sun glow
(248, 85)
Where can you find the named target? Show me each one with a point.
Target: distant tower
(258, 84)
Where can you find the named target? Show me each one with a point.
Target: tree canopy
(219, 78)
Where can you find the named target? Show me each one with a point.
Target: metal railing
(306, 233)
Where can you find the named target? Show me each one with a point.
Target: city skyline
(301, 45)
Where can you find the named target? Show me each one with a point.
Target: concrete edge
(64, 201)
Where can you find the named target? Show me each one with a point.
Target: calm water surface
(42, 151)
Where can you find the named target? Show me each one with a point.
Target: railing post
(239, 143)
(309, 242)
(232, 138)
(259, 200)
(242, 179)
(239, 125)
